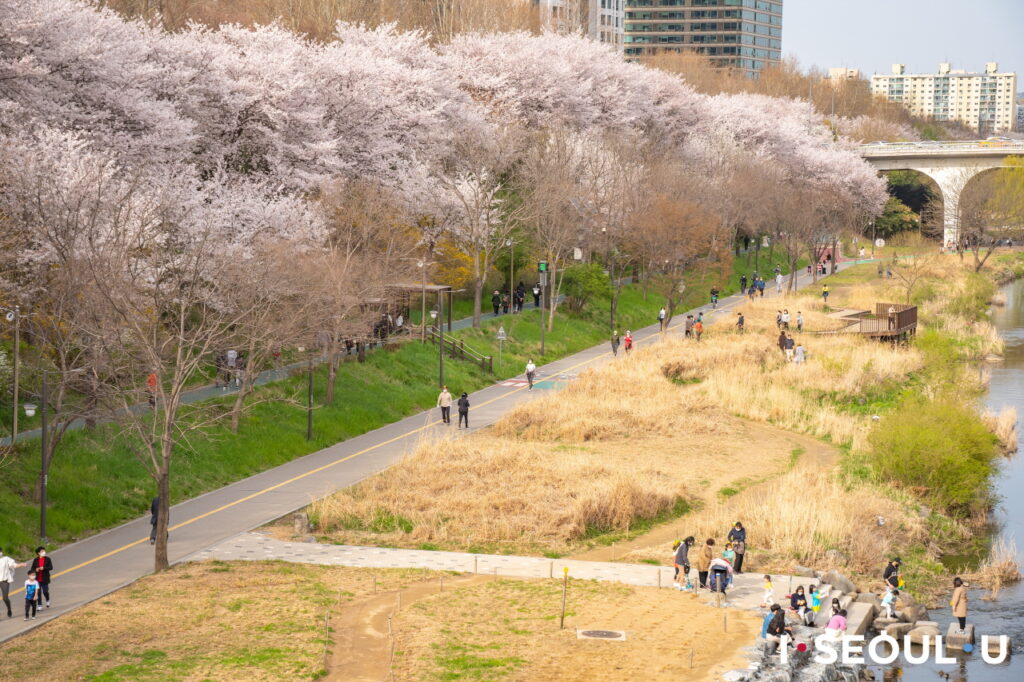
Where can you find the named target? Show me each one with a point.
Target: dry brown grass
(797, 517)
(1004, 425)
(508, 629)
(999, 568)
(206, 621)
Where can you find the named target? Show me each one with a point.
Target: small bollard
(691, 658)
(725, 622)
(551, 569)
(659, 577)
(475, 565)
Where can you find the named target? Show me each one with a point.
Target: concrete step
(956, 640)
(858, 618)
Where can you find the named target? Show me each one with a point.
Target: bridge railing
(1014, 146)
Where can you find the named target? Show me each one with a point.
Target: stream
(1006, 614)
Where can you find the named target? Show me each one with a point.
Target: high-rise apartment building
(985, 102)
(1020, 112)
(602, 20)
(744, 34)
(840, 74)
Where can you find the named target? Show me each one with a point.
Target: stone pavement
(745, 592)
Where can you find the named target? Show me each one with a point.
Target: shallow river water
(1005, 615)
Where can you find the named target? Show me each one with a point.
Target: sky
(872, 35)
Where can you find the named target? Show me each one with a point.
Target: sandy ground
(210, 621)
(509, 629)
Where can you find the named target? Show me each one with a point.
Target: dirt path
(817, 454)
(361, 649)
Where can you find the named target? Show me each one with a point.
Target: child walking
(769, 592)
(31, 593)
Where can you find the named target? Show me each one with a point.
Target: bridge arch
(950, 165)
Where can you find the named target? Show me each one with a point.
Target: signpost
(501, 336)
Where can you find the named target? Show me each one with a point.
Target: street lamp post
(309, 402)
(14, 315)
(44, 442)
(437, 314)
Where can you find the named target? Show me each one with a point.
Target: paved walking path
(745, 592)
(98, 565)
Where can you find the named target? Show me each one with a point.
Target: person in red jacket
(42, 565)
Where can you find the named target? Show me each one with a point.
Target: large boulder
(898, 630)
(803, 571)
(869, 598)
(918, 634)
(913, 613)
(839, 581)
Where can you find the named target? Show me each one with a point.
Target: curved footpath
(93, 567)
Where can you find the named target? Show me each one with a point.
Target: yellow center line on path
(302, 476)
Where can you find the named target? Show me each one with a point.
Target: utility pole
(309, 402)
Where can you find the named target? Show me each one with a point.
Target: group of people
(230, 366)
(713, 572)
(756, 287)
(37, 583)
(783, 319)
(693, 327)
(444, 401)
(504, 303)
(794, 350)
(626, 342)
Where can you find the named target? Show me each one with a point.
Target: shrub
(583, 282)
(938, 448)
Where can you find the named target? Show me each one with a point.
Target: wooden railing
(457, 349)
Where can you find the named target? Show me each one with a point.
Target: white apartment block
(843, 74)
(985, 102)
(1020, 112)
(601, 20)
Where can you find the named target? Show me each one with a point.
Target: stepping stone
(955, 639)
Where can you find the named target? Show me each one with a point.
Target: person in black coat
(43, 567)
(738, 538)
(777, 628)
(496, 303)
(154, 507)
(463, 410)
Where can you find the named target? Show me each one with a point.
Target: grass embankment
(95, 482)
(543, 478)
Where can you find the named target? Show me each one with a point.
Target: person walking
(496, 302)
(151, 383)
(751, 292)
(43, 567)
(682, 562)
(760, 286)
(799, 354)
(463, 410)
(505, 303)
(32, 588)
(714, 297)
(444, 401)
(536, 296)
(661, 319)
(531, 370)
(7, 567)
(698, 329)
(738, 538)
(782, 341)
(740, 323)
(785, 319)
(778, 282)
(799, 321)
(154, 509)
(824, 293)
(892, 317)
(615, 343)
(743, 284)
(959, 603)
(688, 327)
(790, 348)
(707, 553)
(627, 342)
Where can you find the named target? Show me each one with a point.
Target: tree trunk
(163, 484)
(332, 370)
(248, 377)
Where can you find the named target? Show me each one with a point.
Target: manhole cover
(601, 634)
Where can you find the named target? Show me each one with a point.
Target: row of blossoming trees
(164, 195)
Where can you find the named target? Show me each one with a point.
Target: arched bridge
(950, 164)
